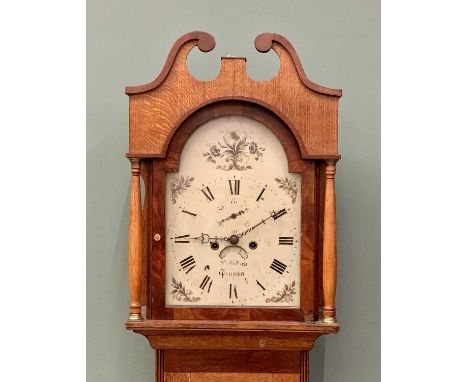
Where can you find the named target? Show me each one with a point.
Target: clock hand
(274, 215)
(205, 238)
(232, 216)
(234, 239)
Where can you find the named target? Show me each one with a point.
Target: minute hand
(274, 215)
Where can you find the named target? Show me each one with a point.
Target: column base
(330, 320)
(135, 317)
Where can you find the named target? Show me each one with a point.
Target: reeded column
(135, 243)
(304, 373)
(329, 244)
(159, 365)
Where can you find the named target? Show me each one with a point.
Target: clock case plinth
(245, 344)
(188, 350)
(231, 335)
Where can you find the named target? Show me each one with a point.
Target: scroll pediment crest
(159, 107)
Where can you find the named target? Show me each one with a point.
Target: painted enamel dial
(233, 220)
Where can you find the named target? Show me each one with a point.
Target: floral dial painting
(234, 153)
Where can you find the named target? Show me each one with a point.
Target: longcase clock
(232, 249)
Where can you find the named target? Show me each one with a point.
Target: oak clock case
(232, 249)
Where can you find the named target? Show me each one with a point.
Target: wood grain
(264, 42)
(135, 243)
(320, 201)
(256, 361)
(235, 335)
(203, 40)
(176, 377)
(160, 362)
(232, 365)
(329, 244)
(158, 248)
(146, 172)
(158, 109)
(304, 366)
(308, 254)
(220, 341)
(238, 341)
(231, 377)
(232, 325)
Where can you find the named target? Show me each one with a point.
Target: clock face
(233, 220)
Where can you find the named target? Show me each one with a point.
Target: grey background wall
(339, 45)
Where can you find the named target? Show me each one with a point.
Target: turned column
(329, 244)
(135, 243)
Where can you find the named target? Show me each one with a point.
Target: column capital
(136, 165)
(330, 169)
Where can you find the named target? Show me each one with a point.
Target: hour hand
(232, 216)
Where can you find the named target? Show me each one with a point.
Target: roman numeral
(189, 213)
(260, 285)
(278, 266)
(188, 262)
(232, 291)
(204, 283)
(207, 192)
(286, 240)
(278, 214)
(182, 239)
(261, 193)
(234, 186)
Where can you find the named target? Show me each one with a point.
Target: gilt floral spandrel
(236, 152)
(179, 185)
(289, 186)
(284, 295)
(181, 294)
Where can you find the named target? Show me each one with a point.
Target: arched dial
(233, 220)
